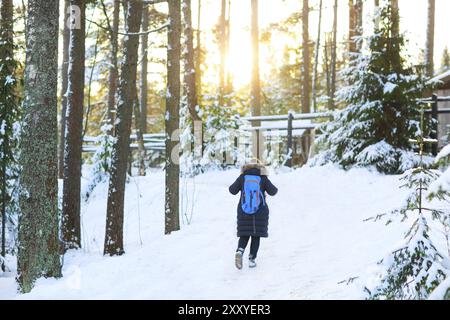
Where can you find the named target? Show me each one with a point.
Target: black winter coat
(255, 224)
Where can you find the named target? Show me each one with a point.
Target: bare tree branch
(105, 12)
(130, 33)
(153, 1)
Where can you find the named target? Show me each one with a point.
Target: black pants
(254, 246)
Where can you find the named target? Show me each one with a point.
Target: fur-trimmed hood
(262, 169)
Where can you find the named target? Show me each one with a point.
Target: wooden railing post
(435, 117)
(257, 145)
(236, 150)
(289, 140)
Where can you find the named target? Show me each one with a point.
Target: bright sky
(413, 14)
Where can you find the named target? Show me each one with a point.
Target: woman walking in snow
(252, 211)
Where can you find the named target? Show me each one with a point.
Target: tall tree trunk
(333, 57)
(198, 55)
(395, 20)
(38, 253)
(255, 81)
(306, 83)
(139, 138)
(7, 32)
(351, 26)
(8, 105)
(229, 79)
(355, 24)
(89, 86)
(172, 218)
(140, 105)
(377, 19)
(126, 97)
(222, 49)
(445, 60)
(326, 63)
(113, 68)
(189, 67)
(143, 78)
(429, 46)
(394, 45)
(316, 59)
(64, 68)
(71, 230)
(359, 8)
(376, 4)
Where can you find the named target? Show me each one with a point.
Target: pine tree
(429, 46)
(189, 84)
(359, 21)
(395, 17)
(416, 268)
(316, 59)
(189, 114)
(9, 116)
(143, 93)
(222, 37)
(376, 8)
(199, 56)
(221, 128)
(172, 178)
(71, 226)
(255, 81)
(113, 73)
(284, 89)
(355, 24)
(333, 60)
(440, 190)
(127, 95)
(445, 62)
(306, 59)
(39, 247)
(229, 76)
(351, 26)
(381, 113)
(64, 80)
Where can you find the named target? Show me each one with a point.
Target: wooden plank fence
(152, 142)
(289, 127)
(156, 141)
(434, 112)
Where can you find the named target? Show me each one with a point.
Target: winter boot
(251, 262)
(238, 258)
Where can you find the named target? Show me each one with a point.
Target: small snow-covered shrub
(101, 160)
(418, 267)
(221, 127)
(413, 271)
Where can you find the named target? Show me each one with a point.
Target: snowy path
(317, 238)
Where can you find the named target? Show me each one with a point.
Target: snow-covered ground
(317, 238)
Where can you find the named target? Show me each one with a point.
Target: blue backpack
(252, 197)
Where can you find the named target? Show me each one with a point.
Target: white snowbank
(440, 292)
(445, 152)
(317, 238)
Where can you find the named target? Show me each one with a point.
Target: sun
(239, 60)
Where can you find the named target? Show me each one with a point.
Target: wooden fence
(152, 141)
(434, 112)
(290, 126)
(156, 141)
